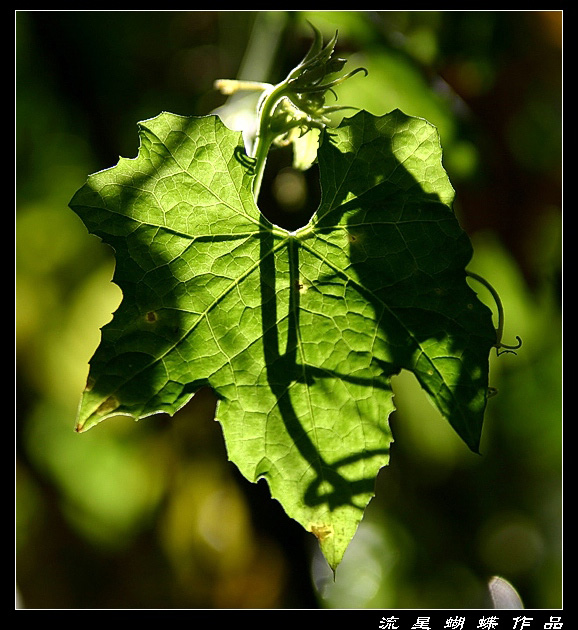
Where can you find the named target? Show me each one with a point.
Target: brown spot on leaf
(151, 317)
(110, 404)
(321, 532)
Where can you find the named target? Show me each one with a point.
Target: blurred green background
(151, 514)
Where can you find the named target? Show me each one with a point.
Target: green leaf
(297, 333)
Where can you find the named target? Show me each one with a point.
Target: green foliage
(298, 333)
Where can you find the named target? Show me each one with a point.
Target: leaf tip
(325, 535)
(81, 426)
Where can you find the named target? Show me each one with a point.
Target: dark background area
(152, 515)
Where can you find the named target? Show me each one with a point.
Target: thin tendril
(501, 348)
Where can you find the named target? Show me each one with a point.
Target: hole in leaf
(288, 197)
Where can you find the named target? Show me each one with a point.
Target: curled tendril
(506, 348)
(501, 348)
(244, 160)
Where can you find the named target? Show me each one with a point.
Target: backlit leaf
(297, 333)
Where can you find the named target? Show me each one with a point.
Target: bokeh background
(151, 514)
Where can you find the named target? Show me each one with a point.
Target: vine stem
(500, 328)
(265, 137)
